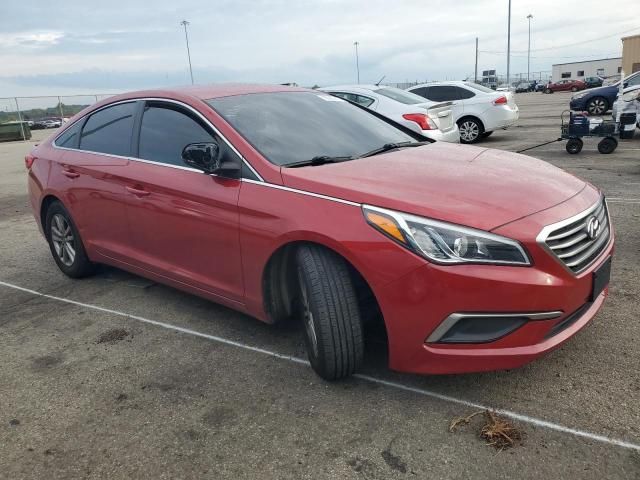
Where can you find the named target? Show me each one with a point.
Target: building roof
(588, 61)
(631, 36)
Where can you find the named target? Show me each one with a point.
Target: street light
(184, 23)
(357, 60)
(529, 17)
(509, 46)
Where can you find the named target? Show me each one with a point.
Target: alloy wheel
(597, 106)
(63, 239)
(469, 131)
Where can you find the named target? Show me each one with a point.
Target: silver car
(433, 120)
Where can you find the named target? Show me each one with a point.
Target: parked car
(630, 102)
(405, 108)
(477, 110)
(540, 87)
(565, 86)
(523, 87)
(283, 202)
(598, 101)
(593, 82)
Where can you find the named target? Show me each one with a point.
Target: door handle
(138, 192)
(67, 172)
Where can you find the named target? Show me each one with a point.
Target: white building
(604, 67)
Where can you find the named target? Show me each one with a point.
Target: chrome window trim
(454, 318)
(541, 239)
(302, 192)
(158, 99)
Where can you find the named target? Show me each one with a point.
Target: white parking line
(419, 391)
(631, 201)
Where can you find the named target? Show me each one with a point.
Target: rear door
(94, 167)
(184, 223)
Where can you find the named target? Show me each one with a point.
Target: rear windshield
(480, 88)
(288, 127)
(401, 96)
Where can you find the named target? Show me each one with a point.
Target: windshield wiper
(392, 146)
(319, 160)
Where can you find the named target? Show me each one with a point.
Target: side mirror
(625, 84)
(203, 156)
(206, 157)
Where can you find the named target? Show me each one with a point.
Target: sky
(67, 47)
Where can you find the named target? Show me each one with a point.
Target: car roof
(458, 83)
(206, 92)
(358, 87)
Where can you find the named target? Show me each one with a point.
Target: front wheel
(329, 308)
(548, 90)
(574, 146)
(65, 243)
(597, 106)
(574, 89)
(470, 130)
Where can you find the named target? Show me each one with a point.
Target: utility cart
(579, 125)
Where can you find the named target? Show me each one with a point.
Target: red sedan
(565, 86)
(290, 203)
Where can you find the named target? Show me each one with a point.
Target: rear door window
(463, 93)
(69, 138)
(422, 91)
(443, 93)
(109, 130)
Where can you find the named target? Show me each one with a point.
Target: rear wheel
(574, 146)
(329, 308)
(574, 89)
(65, 243)
(607, 145)
(597, 106)
(470, 130)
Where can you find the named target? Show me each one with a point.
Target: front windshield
(401, 96)
(289, 127)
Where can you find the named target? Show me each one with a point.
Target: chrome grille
(571, 242)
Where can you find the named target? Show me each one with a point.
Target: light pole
(184, 23)
(357, 60)
(529, 48)
(509, 46)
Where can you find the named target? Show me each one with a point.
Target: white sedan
(477, 110)
(432, 120)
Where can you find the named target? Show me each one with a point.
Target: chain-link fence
(20, 115)
(491, 81)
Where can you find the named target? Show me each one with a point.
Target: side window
(463, 93)
(69, 138)
(442, 93)
(109, 130)
(633, 81)
(166, 130)
(364, 101)
(566, 75)
(422, 91)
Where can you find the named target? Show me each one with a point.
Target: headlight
(631, 96)
(579, 95)
(446, 243)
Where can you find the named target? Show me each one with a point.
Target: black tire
(548, 90)
(607, 145)
(77, 265)
(574, 146)
(471, 129)
(332, 322)
(574, 89)
(486, 134)
(597, 106)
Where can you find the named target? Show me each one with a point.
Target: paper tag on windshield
(330, 98)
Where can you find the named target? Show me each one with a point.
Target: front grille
(571, 243)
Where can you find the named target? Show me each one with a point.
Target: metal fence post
(24, 137)
(96, 98)
(61, 110)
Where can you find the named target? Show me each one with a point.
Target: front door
(184, 223)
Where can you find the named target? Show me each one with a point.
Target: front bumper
(579, 104)
(416, 305)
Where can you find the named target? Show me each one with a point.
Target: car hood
(477, 187)
(606, 90)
